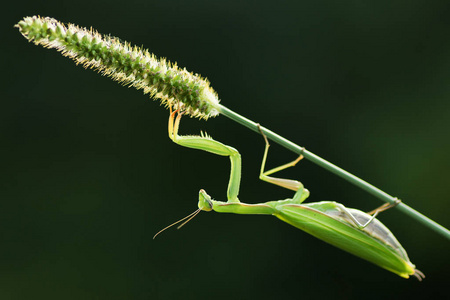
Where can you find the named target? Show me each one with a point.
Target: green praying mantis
(351, 230)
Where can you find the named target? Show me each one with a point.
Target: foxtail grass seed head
(126, 64)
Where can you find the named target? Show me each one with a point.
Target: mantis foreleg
(206, 143)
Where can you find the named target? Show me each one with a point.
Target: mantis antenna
(188, 217)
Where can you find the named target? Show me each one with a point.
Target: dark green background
(88, 174)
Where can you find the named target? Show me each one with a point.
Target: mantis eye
(204, 201)
(210, 203)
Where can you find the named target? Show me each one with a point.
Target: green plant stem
(335, 169)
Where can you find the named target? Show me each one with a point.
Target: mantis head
(204, 201)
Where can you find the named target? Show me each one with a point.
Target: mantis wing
(341, 234)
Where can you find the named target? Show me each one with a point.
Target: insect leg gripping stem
(291, 184)
(384, 207)
(206, 143)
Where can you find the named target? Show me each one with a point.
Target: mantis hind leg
(206, 143)
(301, 193)
(372, 213)
(384, 207)
(355, 221)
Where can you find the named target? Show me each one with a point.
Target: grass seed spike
(126, 64)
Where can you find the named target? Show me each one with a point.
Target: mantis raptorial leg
(206, 143)
(349, 229)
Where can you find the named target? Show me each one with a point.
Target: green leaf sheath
(126, 64)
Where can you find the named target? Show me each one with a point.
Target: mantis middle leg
(206, 143)
(301, 193)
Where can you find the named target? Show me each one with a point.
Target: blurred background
(88, 174)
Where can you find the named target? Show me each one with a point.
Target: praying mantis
(351, 230)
